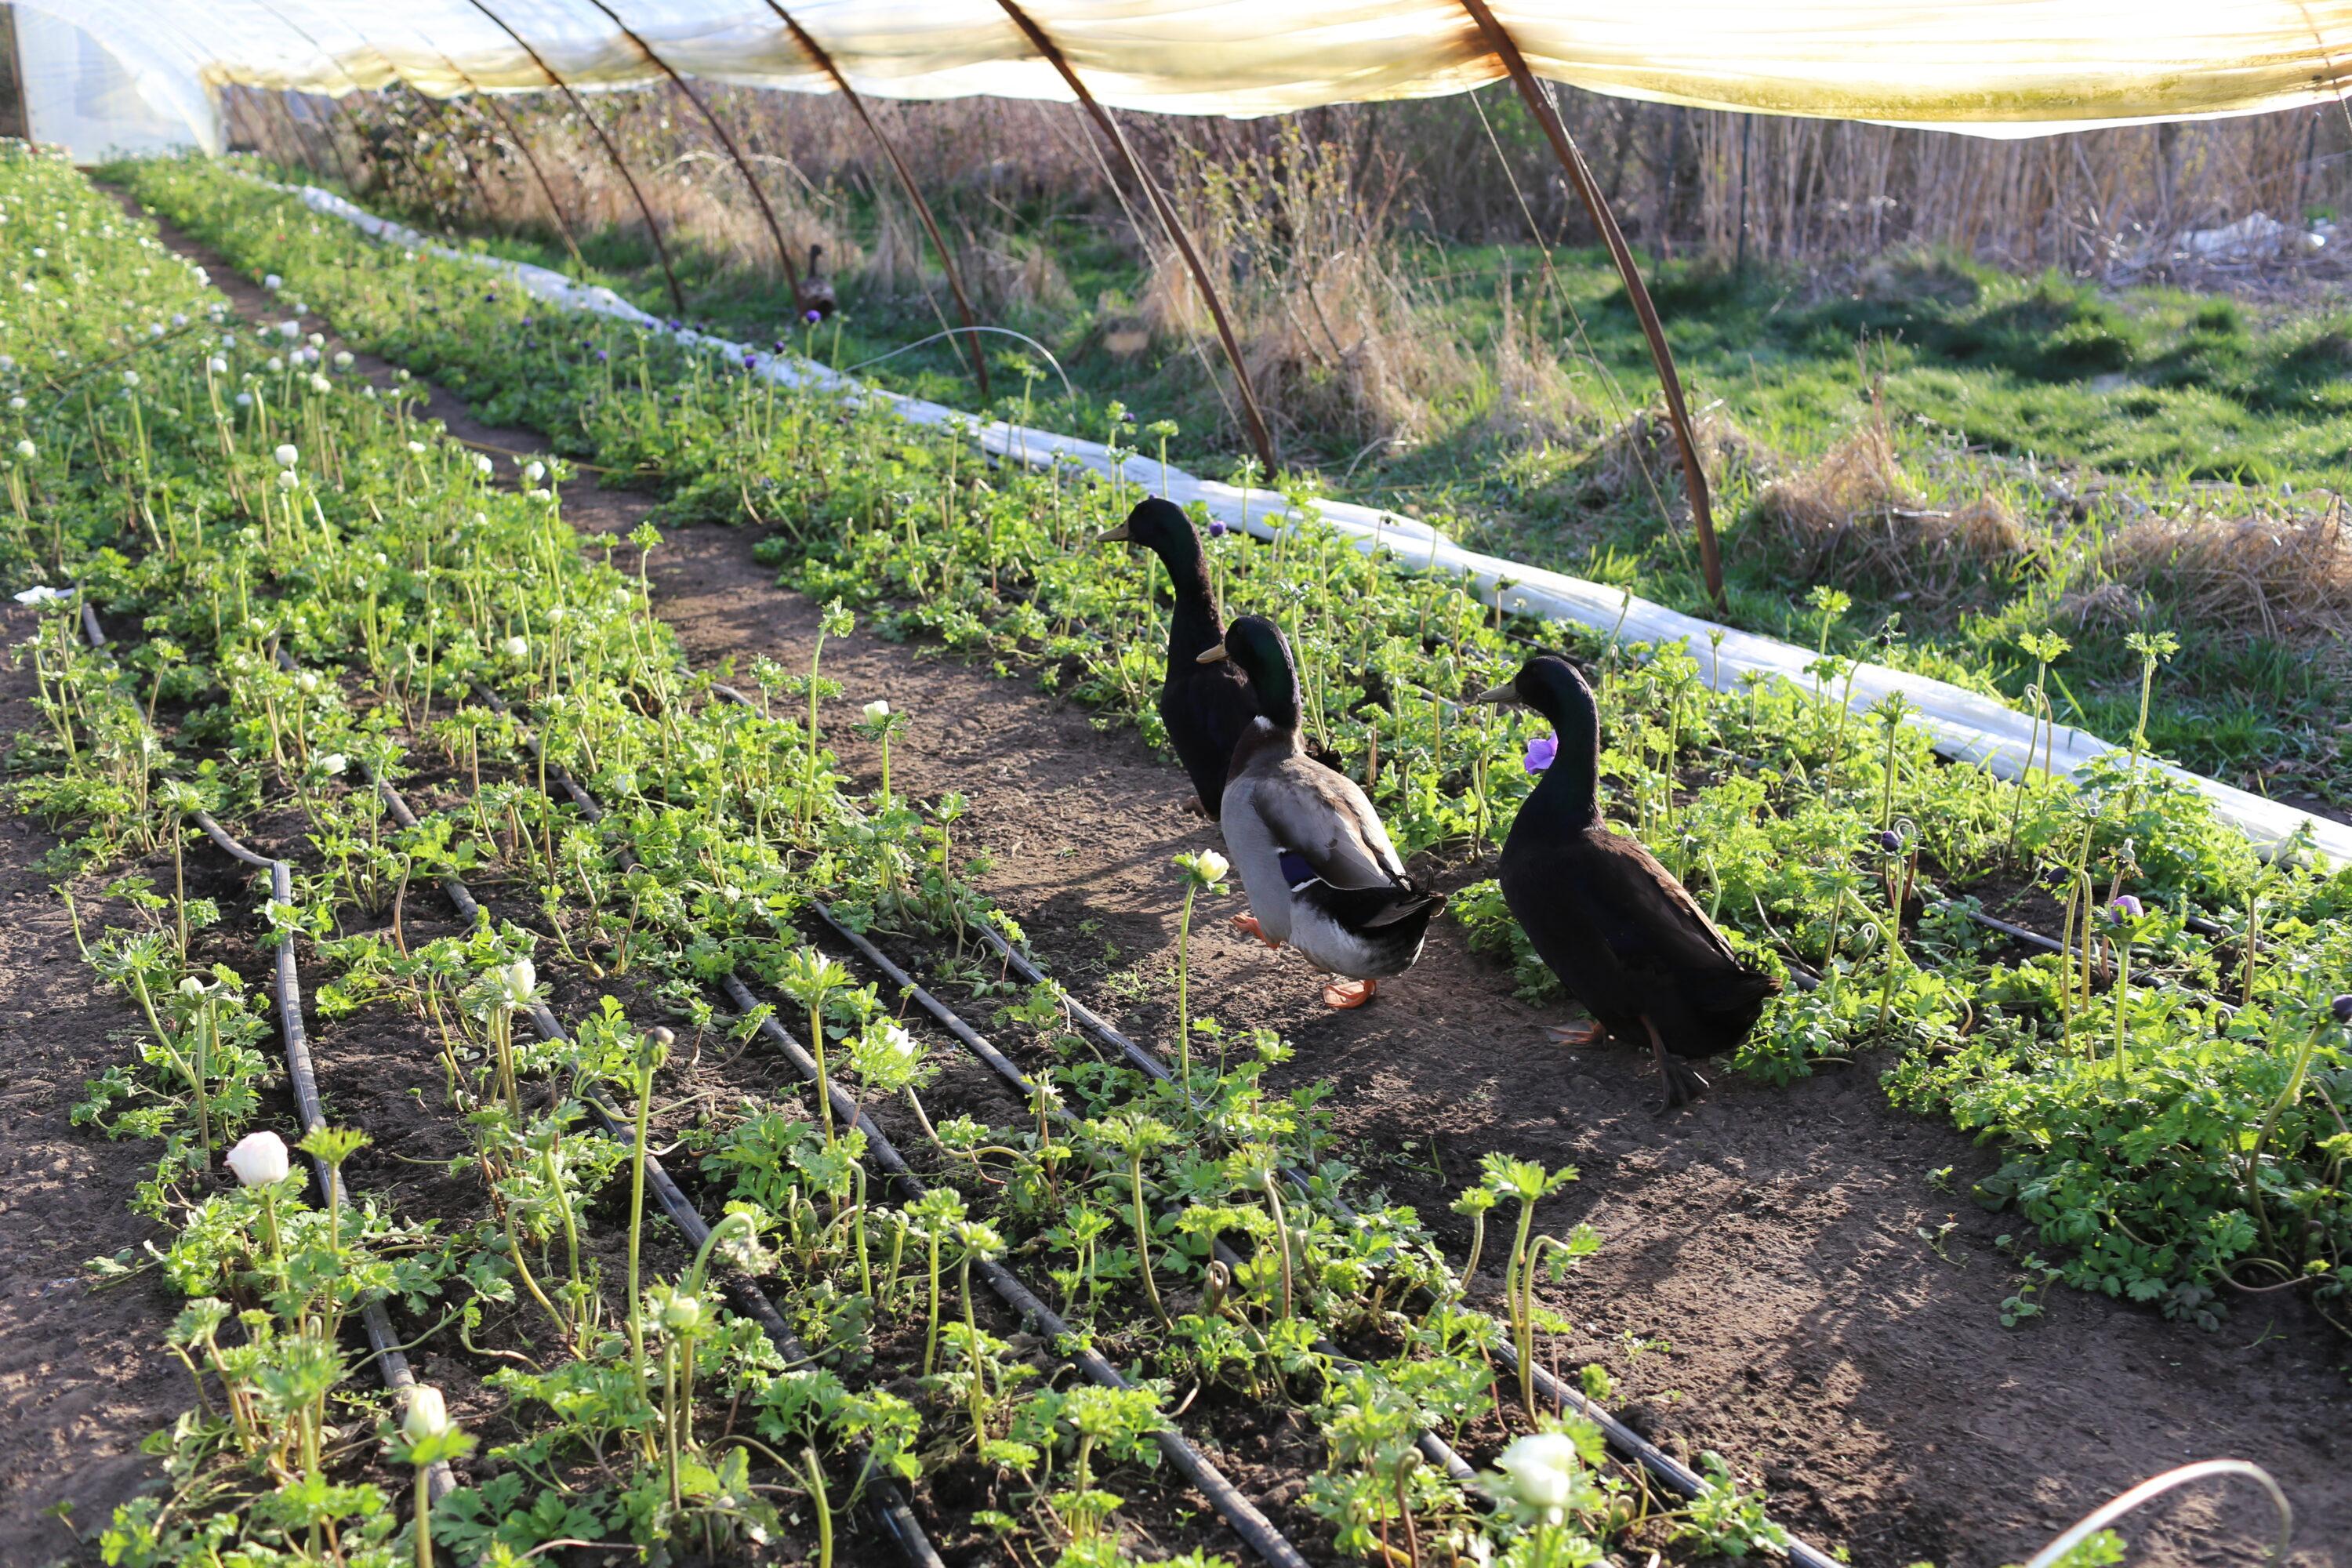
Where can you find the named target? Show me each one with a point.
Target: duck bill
(1113, 535)
(1506, 692)
(1213, 655)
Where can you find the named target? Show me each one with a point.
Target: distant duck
(1314, 858)
(1625, 937)
(817, 299)
(1204, 706)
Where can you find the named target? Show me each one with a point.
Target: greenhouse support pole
(775, 229)
(1259, 437)
(562, 224)
(1547, 115)
(653, 230)
(816, 51)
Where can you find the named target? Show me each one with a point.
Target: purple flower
(602, 356)
(674, 323)
(1541, 752)
(750, 361)
(812, 317)
(2125, 909)
(780, 345)
(2343, 1009)
(1890, 840)
(1217, 528)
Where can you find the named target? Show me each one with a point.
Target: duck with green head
(1205, 707)
(1625, 937)
(1313, 856)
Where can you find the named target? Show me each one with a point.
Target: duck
(818, 298)
(1205, 707)
(1624, 936)
(1314, 860)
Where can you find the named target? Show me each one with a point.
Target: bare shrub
(2282, 576)
(1639, 458)
(1855, 514)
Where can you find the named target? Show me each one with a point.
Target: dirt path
(1766, 1289)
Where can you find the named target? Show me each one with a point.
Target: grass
(2076, 410)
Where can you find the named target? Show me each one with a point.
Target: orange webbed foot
(1577, 1035)
(1247, 925)
(1346, 993)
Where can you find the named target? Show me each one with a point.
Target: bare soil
(1778, 1284)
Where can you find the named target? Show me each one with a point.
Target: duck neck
(1277, 696)
(1567, 794)
(1193, 629)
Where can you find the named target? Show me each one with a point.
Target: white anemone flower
(288, 454)
(427, 1415)
(289, 330)
(16, 404)
(1543, 1472)
(276, 364)
(534, 472)
(245, 400)
(216, 365)
(482, 464)
(287, 479)
(516, 980)
(343, 360)
(28, 451)
(876, 711)
(130, 378)
(1212, 866)
(261, 1160)
(320, 384)
(333, 763)
(273, 282)
(417, 447)
(518, 647)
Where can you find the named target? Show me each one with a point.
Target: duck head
(1256, 645)
(1156, 524)
(1556, 688)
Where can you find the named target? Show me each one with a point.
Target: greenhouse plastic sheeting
(1966, 726)
(1996, 66)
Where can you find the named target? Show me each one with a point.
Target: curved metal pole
(555, 210)
(653, 230)
(1166, 215)
(1564, 147)
(775, 230)
(816, 52)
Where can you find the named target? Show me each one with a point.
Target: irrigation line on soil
(303, 1079)
(2155, 1487)
(1255, 1529)
(1621, 1437)
(391, 1362)
(1436, 1449)
(890, 1509)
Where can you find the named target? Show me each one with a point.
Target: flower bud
(260, 1160)
(518, 647)
(876, 711)
(28, 451)
(428, 1415)
(287, 479)
(287, 455)
(2126, 907)
(1212, 865)
(1541, 1469)
(192, 987)
(2343, 1009)
(682, 1314)
(216, 365)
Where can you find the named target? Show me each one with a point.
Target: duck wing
(1323, 819)
(1649, 918)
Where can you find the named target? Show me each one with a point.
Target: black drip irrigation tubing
(1237, 1511)
(286, 984)
(1436, 1449)
(1621, 1437)
(303, 1079)
(1258, 1531)
(890, 1507)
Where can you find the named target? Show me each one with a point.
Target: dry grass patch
(1854, 515)
(2284, 576)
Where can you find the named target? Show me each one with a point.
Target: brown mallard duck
(1625, 937)
(1313, 856)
